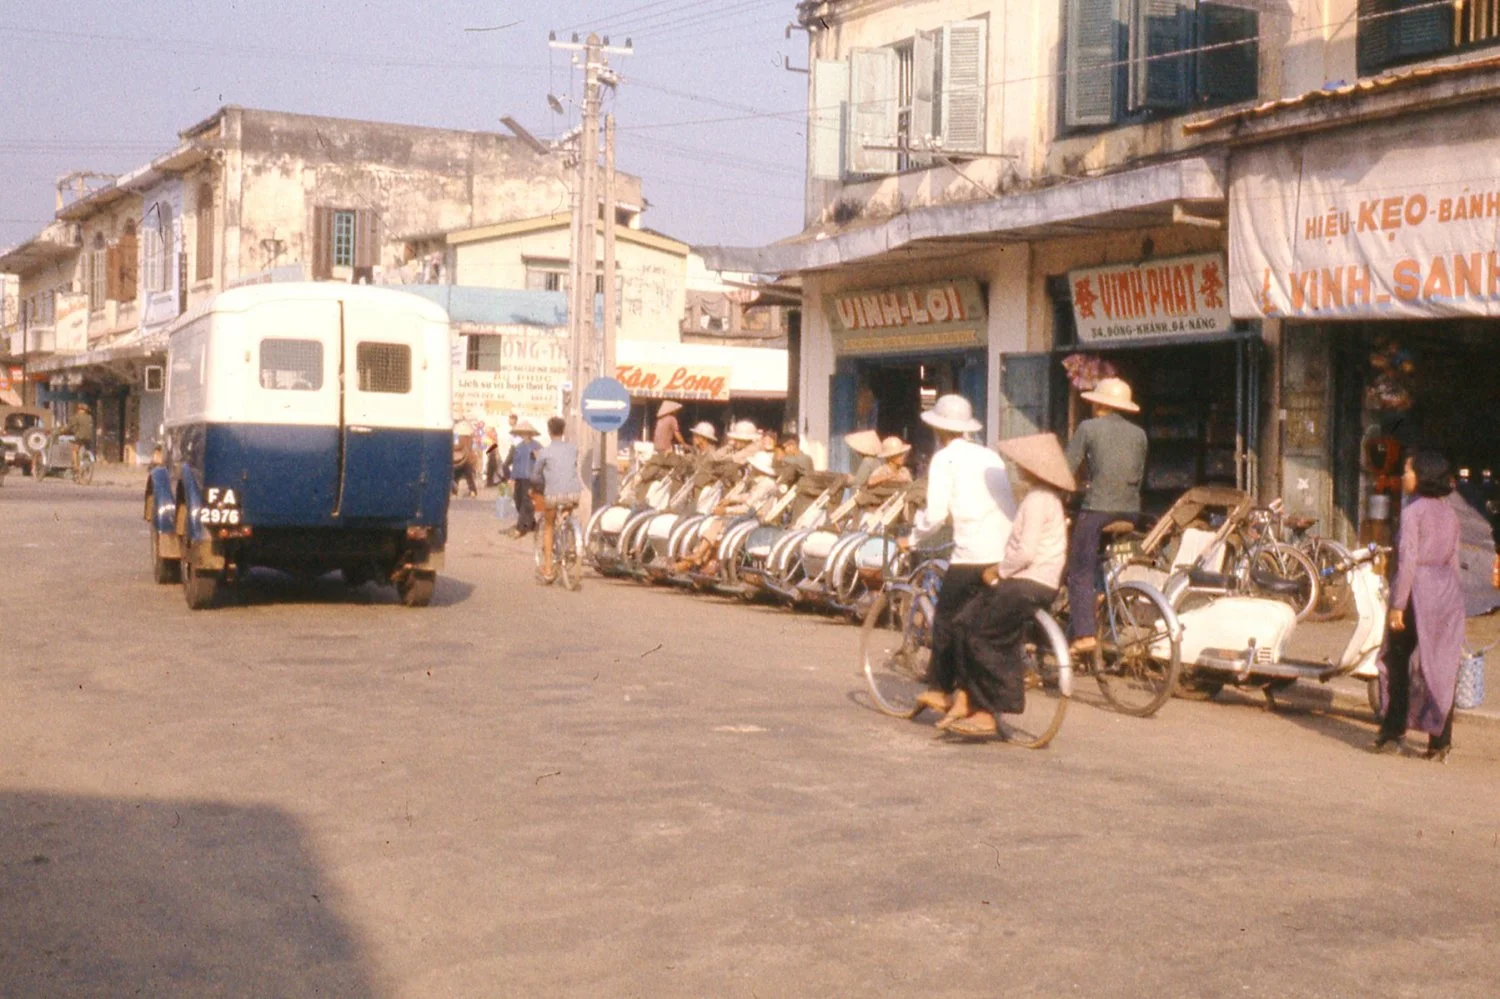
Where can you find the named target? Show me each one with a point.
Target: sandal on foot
(976, 726)
(934, 700)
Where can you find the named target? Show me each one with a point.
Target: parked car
(23, 431)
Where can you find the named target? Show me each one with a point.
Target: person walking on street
(518, 469)
(463, 459)
(993, 625)
(1425, 636)
(667, 433)
(1114, 451)
(555, 484)
(81, 427)
(967, 485)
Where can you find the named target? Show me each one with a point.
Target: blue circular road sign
(606, 405)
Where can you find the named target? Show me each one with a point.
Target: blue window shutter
(1158, 28)
(974, 383)
(872, 111)
(1421, 32)
(1025, 394)
(965, 55)
(829, 121)
(1090, 72)
(1231, 74)
(843, 394)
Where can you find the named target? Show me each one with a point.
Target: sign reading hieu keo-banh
(939, 315)
(1395, 220)
(1182, 296)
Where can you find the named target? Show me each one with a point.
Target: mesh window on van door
(295, 365)
(384, 367)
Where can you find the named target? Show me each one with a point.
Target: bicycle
(44, 462)
(896, 645)
(567, 550)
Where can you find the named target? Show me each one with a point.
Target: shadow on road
(110, 896)
(263, 587)
(1311, 708)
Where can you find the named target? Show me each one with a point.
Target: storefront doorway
(890, 393)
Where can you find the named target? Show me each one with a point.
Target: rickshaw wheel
(892, 657)
(1138, 659)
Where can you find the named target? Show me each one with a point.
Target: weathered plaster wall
(653, 281)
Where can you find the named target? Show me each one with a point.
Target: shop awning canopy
(129, 348)
(1130, 199)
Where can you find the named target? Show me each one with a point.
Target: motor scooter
(1229, 638)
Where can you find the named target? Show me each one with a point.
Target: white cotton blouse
(1038, 546)
(967, 483)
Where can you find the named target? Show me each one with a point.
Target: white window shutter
(1159, 28)
(1090, 79)
(925, 90)
(829, 121)
(872, 111)
(964, 61)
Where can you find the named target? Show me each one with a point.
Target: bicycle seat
(1275, 584)
(1301, 523)
(1208, 579)
(1117, 528)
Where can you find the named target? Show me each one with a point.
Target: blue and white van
(308, 427)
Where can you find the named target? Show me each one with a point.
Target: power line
(695, 23)
(687, 15)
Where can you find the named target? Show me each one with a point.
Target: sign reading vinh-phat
(1183, 296)
(938, 315)
(1370, 224)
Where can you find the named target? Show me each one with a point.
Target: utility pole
(608, 442)
(587, 358)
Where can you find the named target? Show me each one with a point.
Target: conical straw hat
(1043, 457)
(864, 442)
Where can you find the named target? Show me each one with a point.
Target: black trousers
(961, 584)
(993, 629)
(1083, 569)
(525, 512)
(1399, 646)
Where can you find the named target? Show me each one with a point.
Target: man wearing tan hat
(1114, 451)
(667, 431)
(518, 466)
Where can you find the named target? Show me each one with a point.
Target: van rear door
(382, 471)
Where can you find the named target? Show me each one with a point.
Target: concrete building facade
(1008, 200)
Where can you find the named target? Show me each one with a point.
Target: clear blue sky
(706, 114)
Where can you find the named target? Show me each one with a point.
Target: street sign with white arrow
(606, 405)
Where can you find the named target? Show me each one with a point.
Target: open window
(892, 108)
(1132, 60)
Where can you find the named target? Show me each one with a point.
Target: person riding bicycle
(554, 485)
(81, 427)
(993, 625)
(967, 484)
(1114, 449)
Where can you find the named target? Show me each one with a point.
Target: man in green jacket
(1114, 450)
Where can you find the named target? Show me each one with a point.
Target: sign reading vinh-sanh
(939, 315)
(1183, 296)
(1370, 223)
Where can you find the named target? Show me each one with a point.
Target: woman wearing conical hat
(993, 625)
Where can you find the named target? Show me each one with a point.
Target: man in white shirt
(967, 485)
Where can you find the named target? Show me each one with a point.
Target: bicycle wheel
(569, 567)
(538, 562)
(85, 473)
(1285, 562)
(1139, 656)
(892, 655)
(1049, 687)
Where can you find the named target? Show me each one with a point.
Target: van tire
(163, 570)
(200, 588)
(416, 588)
